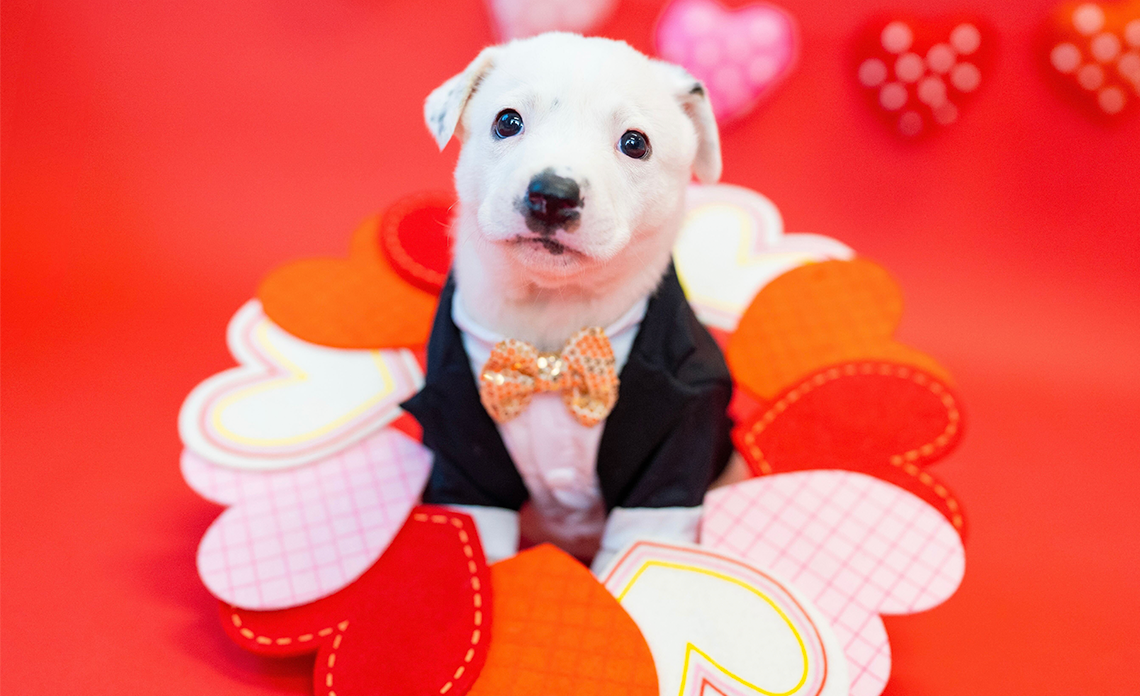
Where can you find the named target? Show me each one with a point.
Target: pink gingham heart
(855, 546)
(293, 536)
(740, 55)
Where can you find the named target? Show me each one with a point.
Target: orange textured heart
(819, 315)
(357, 303)
(559, 632)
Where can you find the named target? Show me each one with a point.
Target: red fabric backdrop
(159, 158)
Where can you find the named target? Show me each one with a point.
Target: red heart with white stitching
(918, 75)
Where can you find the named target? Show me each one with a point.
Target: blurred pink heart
(739, 54)
(518, 18)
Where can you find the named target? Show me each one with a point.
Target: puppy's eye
(507, 123)
(634, 144)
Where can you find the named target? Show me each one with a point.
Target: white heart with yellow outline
(290, 402)
(712, 620)
(732, 244)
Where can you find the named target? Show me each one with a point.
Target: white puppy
(576, 153)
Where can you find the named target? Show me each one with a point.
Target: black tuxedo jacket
(664, 442)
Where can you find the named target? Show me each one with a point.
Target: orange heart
(559, 632)
(358, 303)
(819, 315)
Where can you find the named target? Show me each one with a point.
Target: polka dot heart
(1094, 50)
(740, 55)
(917, 76)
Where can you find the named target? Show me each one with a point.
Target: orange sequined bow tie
(584, 372)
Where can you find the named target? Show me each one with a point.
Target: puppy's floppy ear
(445, 105)
(694, 100)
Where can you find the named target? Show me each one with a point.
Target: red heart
(417, 623)
(883, 419)
(918, 75)
(413, 236)
(1093, 50)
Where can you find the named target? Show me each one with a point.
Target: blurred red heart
(1093, 50)
(413, 237)
(918, 75)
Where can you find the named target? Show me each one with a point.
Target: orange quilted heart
(819, 315)
(359, 302)
(559, 632)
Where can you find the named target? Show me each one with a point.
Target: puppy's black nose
(551, 202)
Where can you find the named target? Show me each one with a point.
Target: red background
(158, 158)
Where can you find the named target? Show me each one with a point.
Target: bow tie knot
(584, 372)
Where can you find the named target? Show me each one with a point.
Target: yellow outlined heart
(711, 619)
(290, 402)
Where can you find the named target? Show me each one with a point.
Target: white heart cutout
(732, 244)
(715, 623)
(290, 402)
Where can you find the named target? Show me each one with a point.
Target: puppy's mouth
(547, 245)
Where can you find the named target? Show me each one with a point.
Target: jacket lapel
(651, 397)
(457, 427)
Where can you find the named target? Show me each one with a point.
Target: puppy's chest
(556, 455)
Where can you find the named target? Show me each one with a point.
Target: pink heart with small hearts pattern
(740, 55)
(518, 18)
(918, 75)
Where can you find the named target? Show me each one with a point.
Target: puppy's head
(575, 154)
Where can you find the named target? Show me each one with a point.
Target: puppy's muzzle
(552, 202)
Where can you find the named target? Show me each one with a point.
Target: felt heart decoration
(290, 402)
(418, 623)
(360, 302)
(1094, 50)
(715, 623)
(731, 244)
(817, 316)
(918, 75)
(855, 546)
(515, 19)
(291, 537)
(557, 631)
(740, 55)
(414, 239)
(886, 420)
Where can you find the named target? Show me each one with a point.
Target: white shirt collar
(621, 332)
